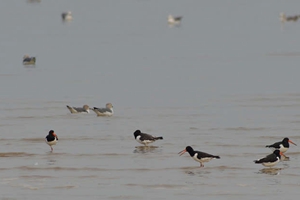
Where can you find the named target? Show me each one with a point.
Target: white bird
(107, 111)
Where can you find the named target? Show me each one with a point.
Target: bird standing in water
(51, 139)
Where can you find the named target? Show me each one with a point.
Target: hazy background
(226, 82)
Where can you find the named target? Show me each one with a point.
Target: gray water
(226, 82)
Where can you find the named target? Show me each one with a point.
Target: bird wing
(275, 145)
(269, 158)
(145, 136)
(204, 155)
(102, 110)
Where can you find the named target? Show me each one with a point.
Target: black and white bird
(282, 146)
(51, 139)
(107, 111)
(67, 16)
(145, 138)
(83, 109)
(198, 156)
(27, 60)
(270, 160)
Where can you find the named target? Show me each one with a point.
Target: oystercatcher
(84, 108)
(198, 156)
(270, 160)
(51, 139)
(282, 146)
(145, 138)
(107, 111)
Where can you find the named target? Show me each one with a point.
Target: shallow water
(224, 82)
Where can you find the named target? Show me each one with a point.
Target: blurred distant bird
(284, 18)
(107, 111)
(27, 60)
(51, 139)
(174, 20)
(85, 108)
(67, 16)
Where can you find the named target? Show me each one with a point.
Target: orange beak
(182, 152)
(55, 136)
(281, 153)
(290, 141)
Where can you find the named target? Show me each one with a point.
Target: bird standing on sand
(145, 138)
(198, 156)
(51, 139)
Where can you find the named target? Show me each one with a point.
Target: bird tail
(217, 157)
(256, 161)
(158, 138)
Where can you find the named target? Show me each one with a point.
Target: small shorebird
(270, 160)
(198, 156)
(85, 109)
(284, 18)
(145, 138)
(27, 60)
(107, 111)
(51, 139)
(174, 20)
(66, 16)
(282, 146)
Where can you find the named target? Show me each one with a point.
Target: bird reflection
(146, 149)
(197, 172)
(51, 162)
(270, 171)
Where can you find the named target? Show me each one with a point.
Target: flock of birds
(279, 148)
(67, 16)
(51, 139)
(107, 111)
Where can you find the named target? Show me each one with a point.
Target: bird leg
(51, 148)
(201, 165)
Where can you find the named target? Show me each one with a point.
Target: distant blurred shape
(27, 60)
(33, 1)
(284, 18)
(174, 20)
(66, 16)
